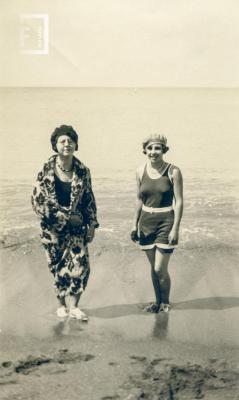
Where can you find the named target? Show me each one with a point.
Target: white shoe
(76, 313)
(164, 307)
(62, 312)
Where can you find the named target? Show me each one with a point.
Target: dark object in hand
(75, 220)
(134, 236)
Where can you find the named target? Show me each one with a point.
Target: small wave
(20, 227)
(106, 229)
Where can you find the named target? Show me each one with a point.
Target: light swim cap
(156, 138)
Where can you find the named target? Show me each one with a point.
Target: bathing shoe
(76, 313)
(164, 307)
(152, 308)
(62, 312)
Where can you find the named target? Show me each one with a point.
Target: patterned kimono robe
(66, 246)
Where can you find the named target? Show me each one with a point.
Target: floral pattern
(65, 245)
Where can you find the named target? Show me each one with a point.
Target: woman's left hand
(90, 233)
(75, 220)
(173, 237)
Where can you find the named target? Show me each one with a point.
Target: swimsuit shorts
(154, 229)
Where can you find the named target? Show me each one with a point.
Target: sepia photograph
(119, 200)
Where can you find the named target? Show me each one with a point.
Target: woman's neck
(157, 165)
(65, 161)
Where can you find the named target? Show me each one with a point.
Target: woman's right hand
(134, 235)
(75, 220)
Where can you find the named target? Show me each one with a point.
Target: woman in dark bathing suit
(158, 215)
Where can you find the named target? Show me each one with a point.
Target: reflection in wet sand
(160, 329)
(67, 326)
(61, 328)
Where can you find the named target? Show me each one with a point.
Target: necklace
(63, 169)
(159, 169)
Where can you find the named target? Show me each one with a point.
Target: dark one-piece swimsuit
(157, 215)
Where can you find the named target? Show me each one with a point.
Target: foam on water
(210, 218)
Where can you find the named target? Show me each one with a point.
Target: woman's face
(154, 151)
(65, 145)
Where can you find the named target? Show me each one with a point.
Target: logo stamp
(34, 34)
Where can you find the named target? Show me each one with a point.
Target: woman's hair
(63, 130)
(156, 138)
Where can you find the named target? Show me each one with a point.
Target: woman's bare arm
(178, 207)
(138, 207)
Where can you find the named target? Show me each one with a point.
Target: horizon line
(115, 87)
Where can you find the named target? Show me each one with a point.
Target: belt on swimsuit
(156, 210)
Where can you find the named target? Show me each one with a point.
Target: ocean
(202, 129)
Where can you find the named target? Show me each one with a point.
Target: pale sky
(119, 43)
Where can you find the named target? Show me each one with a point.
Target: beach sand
(121, 353)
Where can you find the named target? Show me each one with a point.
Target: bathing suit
(63, 191)
(157, 214)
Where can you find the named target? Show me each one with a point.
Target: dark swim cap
(63, 130)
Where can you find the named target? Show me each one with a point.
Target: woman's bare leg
(161, 270)
(74, 300)
(77, 298)
(155, 279)
(62, 301)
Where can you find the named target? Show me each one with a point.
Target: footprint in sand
(113, 364)
(138, 358)
(32, 363)
(160, 379)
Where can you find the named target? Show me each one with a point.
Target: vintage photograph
(119, 200)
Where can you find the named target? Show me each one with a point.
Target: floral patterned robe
(66, 246)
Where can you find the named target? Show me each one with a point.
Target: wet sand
(121, 353)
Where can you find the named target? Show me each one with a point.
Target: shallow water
(201, 126)
(210, 217)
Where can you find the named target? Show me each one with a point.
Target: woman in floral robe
(63, 199)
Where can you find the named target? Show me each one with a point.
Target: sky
(124, 43)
